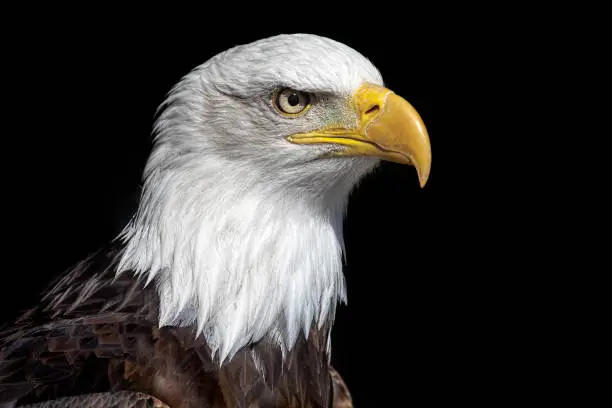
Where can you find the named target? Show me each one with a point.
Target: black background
(83, 93)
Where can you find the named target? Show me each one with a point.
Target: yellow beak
(389, 128)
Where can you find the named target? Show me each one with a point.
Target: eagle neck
(238, 259)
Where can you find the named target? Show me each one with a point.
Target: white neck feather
(237, 258)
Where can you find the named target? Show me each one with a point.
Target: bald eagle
(221, 290)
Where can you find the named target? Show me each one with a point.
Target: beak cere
(389, 128)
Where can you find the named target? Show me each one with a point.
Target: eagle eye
(290, 102)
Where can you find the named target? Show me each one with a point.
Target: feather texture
(121, 399)
(95, 333)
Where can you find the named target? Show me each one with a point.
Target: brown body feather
(97, 333)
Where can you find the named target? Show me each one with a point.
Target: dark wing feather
(341, 395)
(63, 346)
(120, 399)
(94, 332)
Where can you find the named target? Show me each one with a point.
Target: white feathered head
(256, 151)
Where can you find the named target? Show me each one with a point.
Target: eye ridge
(291, 102)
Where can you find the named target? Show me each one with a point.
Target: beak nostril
(374, 109)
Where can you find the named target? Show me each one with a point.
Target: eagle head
(255, 153)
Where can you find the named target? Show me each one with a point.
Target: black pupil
(293, 99)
